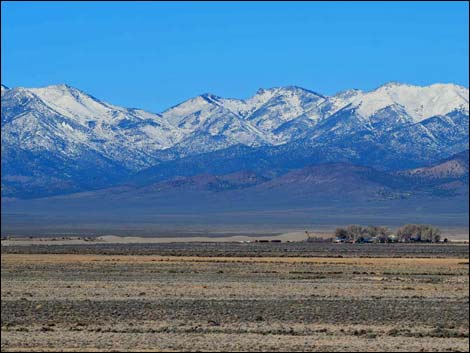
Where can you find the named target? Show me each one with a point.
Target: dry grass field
(159, 302)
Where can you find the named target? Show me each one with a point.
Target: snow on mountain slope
(271, 117)
(73, 103)
(255, 119)
(282, 105)
(37, 118)
(208, 114)
(61, 125)
(418, 102)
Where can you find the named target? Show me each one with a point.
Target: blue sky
(154, 54)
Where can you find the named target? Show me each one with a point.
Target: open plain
(235, 297)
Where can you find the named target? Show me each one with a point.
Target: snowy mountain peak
(60, 90)
(64, 134)
(61, 86)
(286, 90)
(211, 98)
(393, 84)
(301, 90)
(272, 116)
(348, 93)
(72, 102)
(419, 102)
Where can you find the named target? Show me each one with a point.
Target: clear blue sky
(154, 55)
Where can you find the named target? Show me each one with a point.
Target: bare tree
(342, 233)
(355, 231)
(383, 234)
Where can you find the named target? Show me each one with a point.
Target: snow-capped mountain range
(60, 139)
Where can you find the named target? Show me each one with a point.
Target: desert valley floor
(235, 297)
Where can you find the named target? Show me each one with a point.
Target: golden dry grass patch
(11, 259)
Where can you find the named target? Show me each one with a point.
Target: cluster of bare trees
(406, 233)
(419, 232)
(359, 233)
